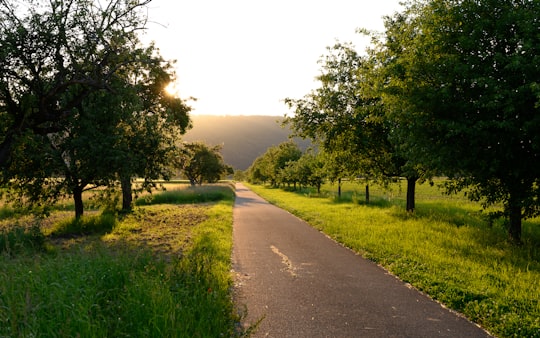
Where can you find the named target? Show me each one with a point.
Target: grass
(162, 271)
(188, 194)
(445, 249)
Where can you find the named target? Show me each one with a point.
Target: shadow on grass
(86, 225)
(147, 286)
(347, 197)
(493, 233)
(444, 212)
(19, 239)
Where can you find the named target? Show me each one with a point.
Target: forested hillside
(244, 138)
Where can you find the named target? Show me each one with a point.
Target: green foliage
(446, 249)
(98, 294)
(461, 81)
(271, 165)
(202, 163)
(239, 175)
(85, 102)
(7, 212)
(345, 115)
(348, 118)
(308, 170)
(49, 68)
(450, 88)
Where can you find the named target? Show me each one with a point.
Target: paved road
(303, 284)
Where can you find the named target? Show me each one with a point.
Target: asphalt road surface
(300, 283)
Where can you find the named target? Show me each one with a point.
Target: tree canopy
(82, 101)
(450, 88)
(462, 81)
(346, 117)
(56, 53)
(271, 166)
(202, 163)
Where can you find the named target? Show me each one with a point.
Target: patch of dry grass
(165, 229)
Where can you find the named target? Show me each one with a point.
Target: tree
(256, 171)
(151, 128)
(270, 165)
(239, 175)
(347, 118)
(84, 102)
(202, 163)
(308, 170)
(462, 78)
(53, 56)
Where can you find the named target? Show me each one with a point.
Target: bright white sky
(243, 57)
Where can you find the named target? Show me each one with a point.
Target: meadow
(447, 248)
(161, 271)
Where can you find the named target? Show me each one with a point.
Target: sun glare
(172, 89)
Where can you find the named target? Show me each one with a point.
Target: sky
(244, 57)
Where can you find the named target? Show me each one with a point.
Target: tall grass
(18, 239)
(84, 225)
(163, 271)
(446, 249)
(188, 194)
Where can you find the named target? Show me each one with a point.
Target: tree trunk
(127, 193)
(339, 187)
(77, 198)
(411, 187)
(367, 193)
(5, 149)
(514, 215)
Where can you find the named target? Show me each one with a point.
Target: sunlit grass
(162, 271)
(179, 194)
(446, 249)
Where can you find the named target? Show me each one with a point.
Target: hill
(244, 138)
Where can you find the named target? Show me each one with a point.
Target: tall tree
(347, 117)
(152, 126)
(108, 118)
(54, 54)
(463, 79)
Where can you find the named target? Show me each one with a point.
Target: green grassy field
(446, 249)
(162, 271)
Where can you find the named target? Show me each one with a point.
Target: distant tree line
(450, 88)
(286, 165)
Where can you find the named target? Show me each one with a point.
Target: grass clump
(162, 271)
(19, 239)
(183, 194)
(85, 225)
(446, 248)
